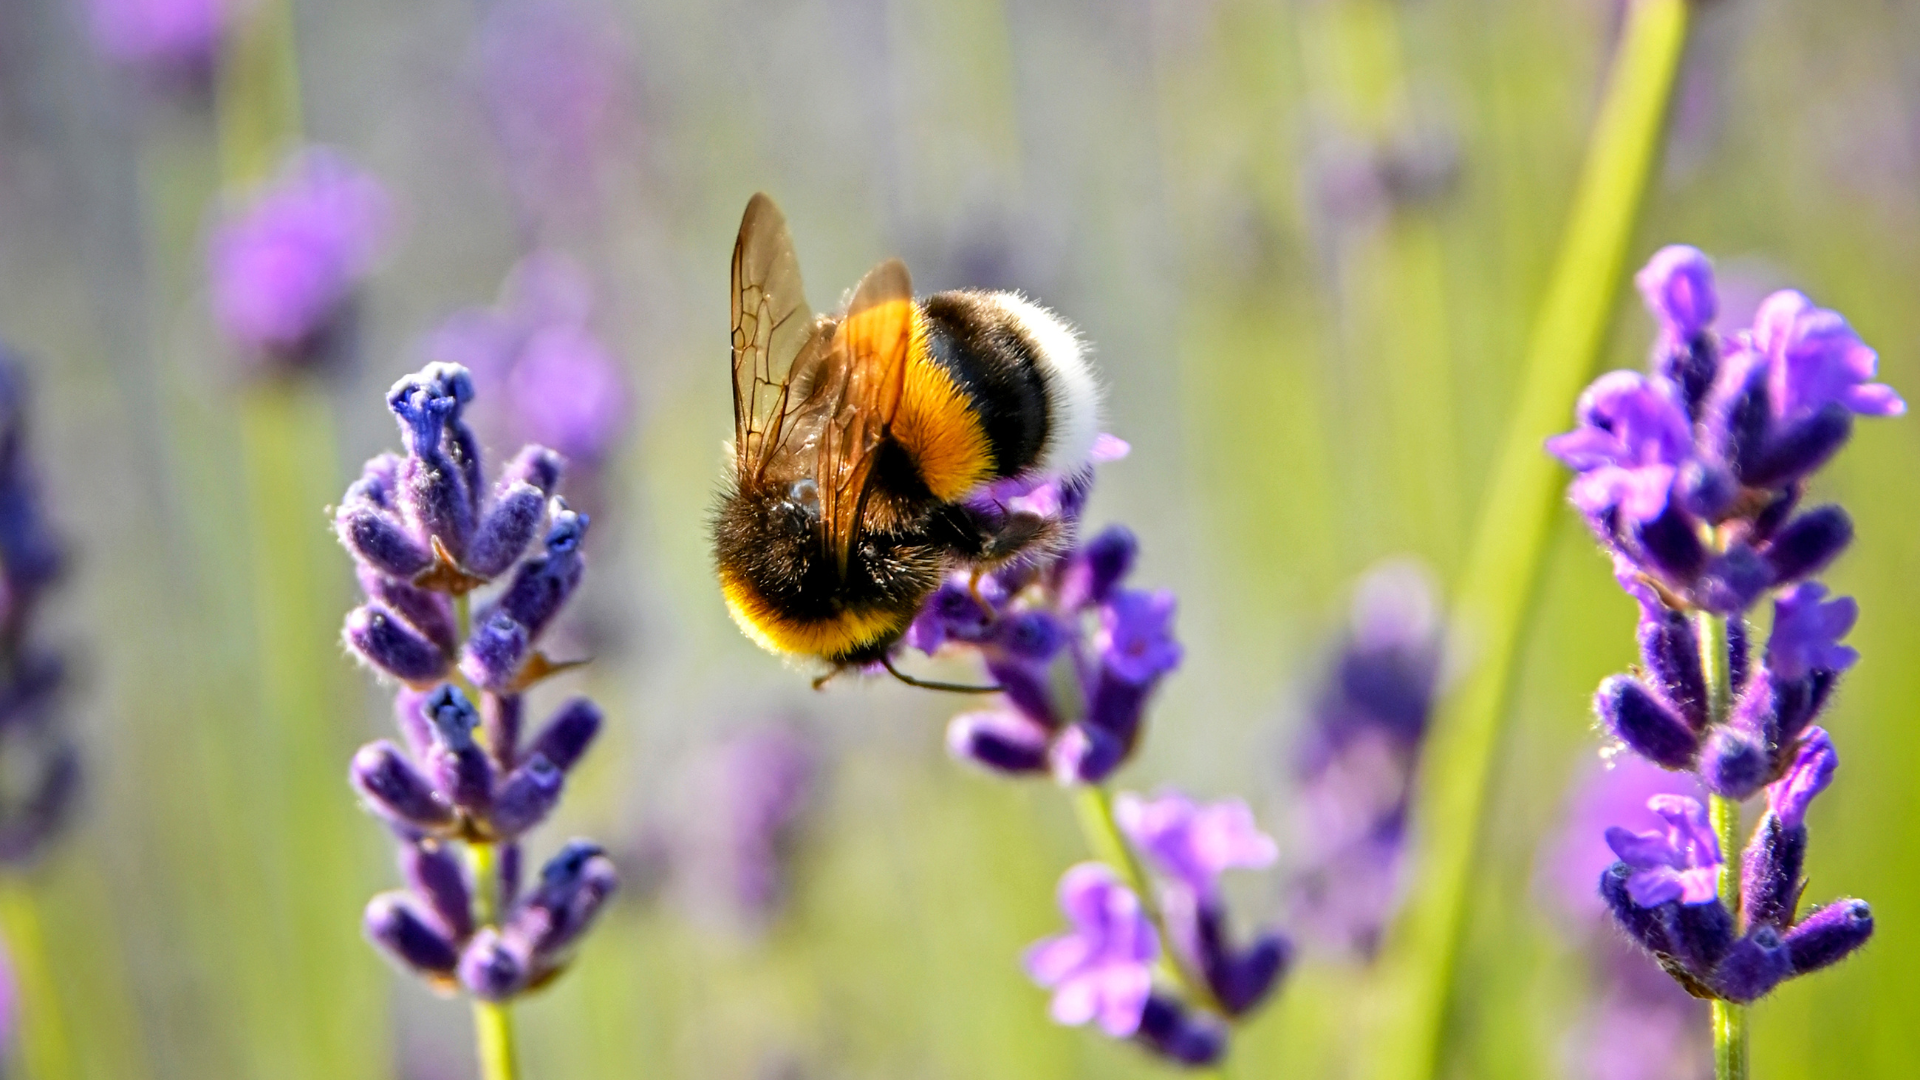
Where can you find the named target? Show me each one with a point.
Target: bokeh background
(1307, 240)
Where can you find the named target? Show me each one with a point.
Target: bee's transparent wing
(861, 380)
(777, 342)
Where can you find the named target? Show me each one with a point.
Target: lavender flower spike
(1101, 969)
(1194, 844)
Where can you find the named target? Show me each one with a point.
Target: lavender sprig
(1693, 476)
(1077, 655)
(426, 531)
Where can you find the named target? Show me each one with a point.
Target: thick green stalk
(1498, 584)
(1729, 1019)
(46, 1052)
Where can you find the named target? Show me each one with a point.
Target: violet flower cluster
(41, 762)
(1355, 763)
(1693, 478)
(1077, 654)
(559, 385)
(425, 530)
(169, 39)
(286, 267)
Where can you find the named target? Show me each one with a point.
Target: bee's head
(782, 585)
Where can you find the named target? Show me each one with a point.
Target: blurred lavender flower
(1692, 477)
(1356, 759)
(1103, 968)
(42, 766)
(732, 853)
(558, 384)
(425, 534)
(168, 38)
(556, 83)
(284, 268)
(1639, 1025)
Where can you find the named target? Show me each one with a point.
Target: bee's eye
(805, 492)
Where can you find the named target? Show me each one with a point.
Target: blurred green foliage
(1310, 380)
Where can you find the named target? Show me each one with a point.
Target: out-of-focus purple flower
(557, 383)
(1680, 863)
(1102, 968)
(556, 83)
(1356, 757)
(285, 266)
(732, 848)
(1813, 357)
(1677, 284)
(169, 37)
(1194, 844)
(1807, 630)
(1135, 640)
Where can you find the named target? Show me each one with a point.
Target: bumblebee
(862, 440)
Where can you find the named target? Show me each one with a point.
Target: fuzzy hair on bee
(862, 440)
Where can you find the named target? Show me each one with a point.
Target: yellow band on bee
(939, 427)
(830, 638)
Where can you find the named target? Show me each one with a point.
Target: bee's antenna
(951, 688)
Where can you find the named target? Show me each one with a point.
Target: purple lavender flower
(425, 533)
(558, 383)
(1692, 477)
(732, 848)
(1101, 969)
(40, 758)
(285, 267)
(1069, 612)
(555, 82)
(168, 37)
(1682, 863)
(1188, 846)
(1356, 759)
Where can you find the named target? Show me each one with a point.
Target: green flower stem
(1093, 804)
(1497, 587)
(492, 1022)
(1729, 1019)
(46, 1051)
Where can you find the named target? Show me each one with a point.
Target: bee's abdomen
(996, 386)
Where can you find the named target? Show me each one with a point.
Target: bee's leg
(1017, 535)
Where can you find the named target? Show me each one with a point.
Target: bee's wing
(860, 384)
(777, 343)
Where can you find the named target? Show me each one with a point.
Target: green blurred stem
(258, 93)
(1497, 587)
(492, 1022)
(1729, 1019)
(46, 1053)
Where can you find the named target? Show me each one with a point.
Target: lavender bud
(1701, 933)
(377, 539)
(1774, 514)
(1007, 742)
(1634, 715)
(1671, 652)
(1753, 966)
(1026, 688)
(395, 923)
(526, 797)
(1829, 934)
(500, 720)
(1239, 980)
(567, 736)
(574, 887)
(1167, 1029)
(509, 874)
(1030, 635)
(541, 586)
(534, 465)
(395, 790)
(495, 653)
(1733, 580)
(1644, 925)
(1738, 653)
(387, 642)
(459, 768)
(1800, 448)
(435, 875)
(1706, 490)
(430, 613)
(1672, 545)
(1735, 762)
(1770, 877)
(506, 530)
(1085, 754)
(1090, 577)
(438, 480)
(1809, 543)
(489, 969)
(1743, 424)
